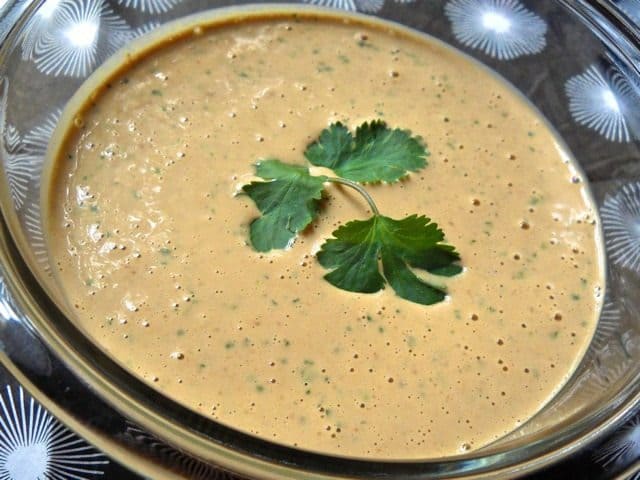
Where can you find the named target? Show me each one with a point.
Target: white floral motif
(34, 445)
(623, 448)
(151, 6)
(143, 29)
(25, 157)
(609, 366)
(36, 142)
(608, 324)
(35, 237)
(62, 37)
(17, 170)
(367, 6)
(193, 468)
(600, 102)
(621, 224)
(502, 29)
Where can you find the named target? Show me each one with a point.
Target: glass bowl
(576, 61)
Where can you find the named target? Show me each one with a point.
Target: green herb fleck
(534, 200)
(324, 68)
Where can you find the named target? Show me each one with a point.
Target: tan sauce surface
(151, 242)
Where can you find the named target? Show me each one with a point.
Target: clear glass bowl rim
(239, 452)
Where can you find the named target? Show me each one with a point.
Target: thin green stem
(357, 187)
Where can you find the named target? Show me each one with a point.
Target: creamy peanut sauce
(150, 240)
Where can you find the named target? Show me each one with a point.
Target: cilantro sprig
(363, 255)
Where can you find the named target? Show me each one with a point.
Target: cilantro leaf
(288, 200)
(359, 247)
(376, 154)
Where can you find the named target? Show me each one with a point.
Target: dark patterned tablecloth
(34, 445)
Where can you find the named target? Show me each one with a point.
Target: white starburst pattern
(623, 448)
(150, 6)
(36, 27)
(604, 376)
(35, 446)
(35, 145)
(366, 6)
(24, 158)
(600, 100)
(143, 30)
(17, 170)
(62, 37)
(189, 466)
(621, 224)
(35, 237)
(608, 325)
(502, 29)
